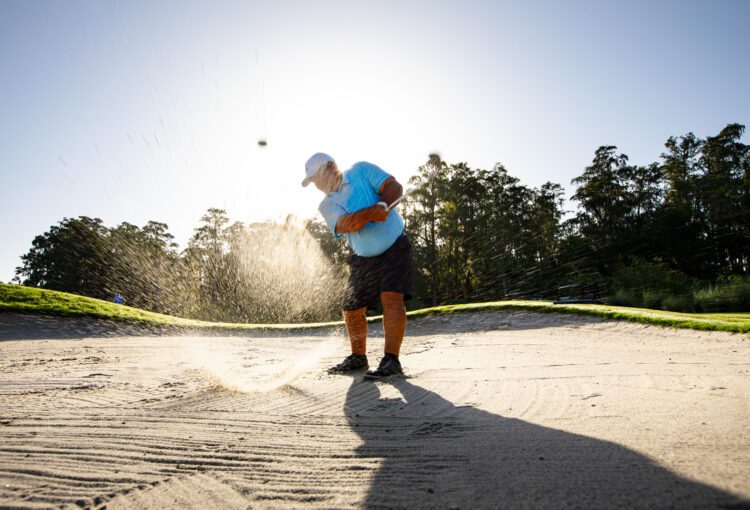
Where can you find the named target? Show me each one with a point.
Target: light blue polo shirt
(359, 189)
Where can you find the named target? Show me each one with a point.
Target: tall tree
(603, 195)
(206, 256)
(680, 167)
(144, 266)
(422, 218)
(724, 193)
(678, 230)
(73, 256)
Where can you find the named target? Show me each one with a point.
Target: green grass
(15, 298)
(731, 322)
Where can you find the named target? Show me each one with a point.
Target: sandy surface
(502, 410)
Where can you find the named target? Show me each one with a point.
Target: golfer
(356, 207)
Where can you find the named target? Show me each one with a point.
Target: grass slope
(15, 298)
(731, 322)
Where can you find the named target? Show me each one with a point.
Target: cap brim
(306, 181)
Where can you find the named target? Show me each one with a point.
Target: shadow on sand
(438, 455)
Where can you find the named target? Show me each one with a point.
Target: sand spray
(246, 369)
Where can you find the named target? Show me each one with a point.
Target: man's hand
(354, 222)
(378, 212)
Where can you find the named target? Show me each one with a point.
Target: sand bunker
(502, 409)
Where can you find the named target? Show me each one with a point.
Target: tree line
(229, 272)
(673, 234)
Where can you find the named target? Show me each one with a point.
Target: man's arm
(389, 191)
(353, 222)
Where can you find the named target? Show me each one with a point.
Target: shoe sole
(368, 377)
(344, 372)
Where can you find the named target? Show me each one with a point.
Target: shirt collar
(344, 180)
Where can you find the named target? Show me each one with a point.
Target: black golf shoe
(352, 363)
(390, 367)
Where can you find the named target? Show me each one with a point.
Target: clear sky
(132, 111)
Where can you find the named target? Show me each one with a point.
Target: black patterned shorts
(391, 271)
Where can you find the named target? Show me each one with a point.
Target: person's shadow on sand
(437, 455)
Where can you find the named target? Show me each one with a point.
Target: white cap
(316, 162)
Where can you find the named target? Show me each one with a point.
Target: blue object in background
(118, 299)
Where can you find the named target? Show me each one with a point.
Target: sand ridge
(502, 409)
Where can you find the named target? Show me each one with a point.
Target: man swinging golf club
(357, 206)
